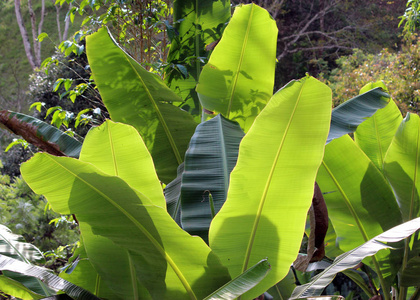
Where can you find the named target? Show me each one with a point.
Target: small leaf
(42, 36)
(243, 283)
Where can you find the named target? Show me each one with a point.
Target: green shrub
(399, 71)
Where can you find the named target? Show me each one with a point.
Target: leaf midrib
(154, 242)
(244, 44)
(157, 111)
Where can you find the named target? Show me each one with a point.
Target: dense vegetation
(200, 145)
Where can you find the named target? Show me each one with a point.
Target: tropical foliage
(243, 179)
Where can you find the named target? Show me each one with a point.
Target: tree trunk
(24, 34)
(36, 45)
(66, 25)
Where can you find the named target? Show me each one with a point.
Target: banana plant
(370, 186)
(131, 246)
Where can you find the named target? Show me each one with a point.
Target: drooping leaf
(181, 265)
(137, 97)
(346, 117)
(243, 283)
(42, 135)
(118, 150)
(375, 134)
(402, 165)
(172, 194)
(16, 289)
(198, 23)
(360, 203)
(272, 185)
(99, 255)
(238, 80)
(209, 160)
(353, 257)
(54, 282)
(15, 246)
(411, 274)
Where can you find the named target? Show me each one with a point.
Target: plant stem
(403, 290)
(385, 289)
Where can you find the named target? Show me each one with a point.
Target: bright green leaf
(272, 185)
(238, 80)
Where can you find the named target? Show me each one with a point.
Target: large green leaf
(239, 77)
(118, 150)
(375, 134)
(360, 203)
(272, 185)
(170, 263)
(137, 97)
(210, 158)
(54, 282)
(353, 257)
(42, 135)
(16, 289)
(99, 255)
(198, 23)
(15, 246)
(402, 166)
(348, 116)
(243, 283)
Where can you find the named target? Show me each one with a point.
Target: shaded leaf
(172, 193)
(347, 116)
(16, 289)
(209, 160)
(42, 135)
(402, 165)
(375, 134)
(140, 98)
(352, 187)
(243, 283)
(54, 282)
(107, 206)
(352, 258)
(411, 274)
(202, 24)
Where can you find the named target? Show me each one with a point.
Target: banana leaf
(15, 246)
(170, 263)
(360, 203)
(411, 275)
(402, 165)
(118, 150)
(375, 134)
(272, 185)
(42, 135)
(103, 256)
(140, 98)
(353, 257)
(18, 290)
(210, 158)
(54, 282)
(172, 194)
(243, 283)
(197, 24)
(284, 289)
(348, 116)
(238, 80)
